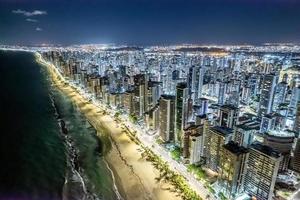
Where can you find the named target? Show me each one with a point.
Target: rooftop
(170, 97)
(153, 83)
(191, 127)
(235, 148)
(281, 133)
(269, 116)
(253, 125)
(223, 130)
(229, 107)
(265, 149)
(181, 85)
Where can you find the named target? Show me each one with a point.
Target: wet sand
(135, 177)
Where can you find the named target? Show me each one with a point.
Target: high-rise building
(193, 143)
(167, 118)
(228, 115)
(295, 99)
(233, 94)
(190, 111)
(267, 123)
(180, 111)
(244, 133)
(215, 138)
(128, 101)
(195, 82)
(285, 77)
(196, 147)
(262, 170)
(246, 94)
(233, 161)
(281, 141)
(203, 103)
(137, 103)
(152, 118)
(221, 93)
(279, 95)
(153, 94)
(267, 94)
(141, 88)
(94, 86)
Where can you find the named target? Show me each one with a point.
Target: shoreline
(117, 188)
(135, 177)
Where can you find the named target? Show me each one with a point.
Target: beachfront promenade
(146, 139)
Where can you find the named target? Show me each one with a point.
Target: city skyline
(150, 99)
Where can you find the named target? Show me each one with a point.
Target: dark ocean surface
(37, 160)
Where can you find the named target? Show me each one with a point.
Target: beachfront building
(233, 160)
(216, 137)
(128, 97)
(152, 118)
(193, 143)
(141, 87)
(153, 94)
(180, 111)
(167, 118)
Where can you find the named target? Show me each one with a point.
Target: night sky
(149, 22)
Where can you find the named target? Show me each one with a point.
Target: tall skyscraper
(203, 103)
(167, 118)
(233, 161)
(215, 138)
(180, 111)
(153, 94)
(233, 96)
(267, 94)
(262, 170)
(152, 118)
(279, 95)
(141, 87)
(295, 99)
(128, 101)
(222, 91)
(195, 82)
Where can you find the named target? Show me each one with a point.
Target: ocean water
(48, 150)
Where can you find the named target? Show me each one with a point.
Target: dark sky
(146, 22)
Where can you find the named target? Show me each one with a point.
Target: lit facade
(167, 118)
(261, 173)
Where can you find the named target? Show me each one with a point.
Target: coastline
(135, 177)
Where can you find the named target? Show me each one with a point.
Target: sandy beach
(135, 177)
